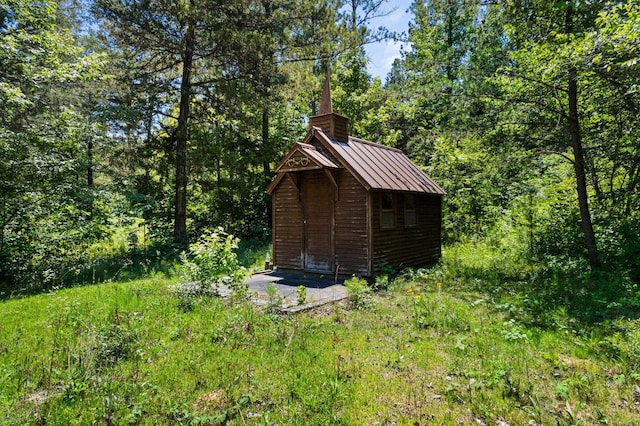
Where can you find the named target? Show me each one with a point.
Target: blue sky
(382, 54)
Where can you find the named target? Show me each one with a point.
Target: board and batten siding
(317, 207)
(287, 226)
(351, 233)
(407, 246)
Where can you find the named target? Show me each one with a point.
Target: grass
(462, 343)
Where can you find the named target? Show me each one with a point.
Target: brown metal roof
(376, 167)
(379, 167)
(319, 158)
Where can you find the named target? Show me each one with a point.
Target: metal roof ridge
(306, 145)
(327, 142)
(400, 173)
(377, 145)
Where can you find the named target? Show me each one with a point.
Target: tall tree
(194, 50)
(545, 38)
(42, 130)
(162, 41)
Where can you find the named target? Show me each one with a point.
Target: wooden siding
(287, 226)
(351, 241)
(336, 126)
(413, 246)
(321, 121)
(340, 128)
(317, 195)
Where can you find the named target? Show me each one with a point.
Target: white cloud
(382, 54)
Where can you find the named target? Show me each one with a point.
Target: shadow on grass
(158, 257)
(135, 263)
(542, 292)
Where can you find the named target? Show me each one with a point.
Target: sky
(382, 54)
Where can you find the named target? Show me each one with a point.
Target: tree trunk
(265, 161)
(579, 162)
(90, 163)
(182, 136)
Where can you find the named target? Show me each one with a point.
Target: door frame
(331, 204)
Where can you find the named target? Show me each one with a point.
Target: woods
(128, 128)
(138, 139)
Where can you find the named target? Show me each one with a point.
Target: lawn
(441, 346)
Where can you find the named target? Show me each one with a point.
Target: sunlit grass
(437, 347)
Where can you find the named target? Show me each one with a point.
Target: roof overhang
(301, 157)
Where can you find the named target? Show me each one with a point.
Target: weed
(115, 341)
(381, 282)
(513, 331)
(441, 312)
(240, 292)
(212, 260)
(385, 268)
(274, 300)
(359, 293)
(187, 294)
(301, 295)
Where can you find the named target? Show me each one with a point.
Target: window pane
(409, 210)
(387, 219)
(388, 214)
(387, 201)
(410, 218)
(409, 202)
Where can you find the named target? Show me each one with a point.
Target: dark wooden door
(318, 222)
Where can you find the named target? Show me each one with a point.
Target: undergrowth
(479, 339)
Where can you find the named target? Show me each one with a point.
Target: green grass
(459, 344)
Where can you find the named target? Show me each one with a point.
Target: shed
(343, 205)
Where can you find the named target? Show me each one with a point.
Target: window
(388, 215)
(409, 210)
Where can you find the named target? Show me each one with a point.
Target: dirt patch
(327, 309)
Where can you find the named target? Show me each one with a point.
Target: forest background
(127, 128)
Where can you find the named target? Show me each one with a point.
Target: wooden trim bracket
(295, 185)
(333, 182)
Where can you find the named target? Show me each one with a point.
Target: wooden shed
(345, 205)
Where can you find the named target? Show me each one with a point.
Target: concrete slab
(321, 289)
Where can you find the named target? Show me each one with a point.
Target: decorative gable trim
(297, 161)
(302, 157)
(305, 157)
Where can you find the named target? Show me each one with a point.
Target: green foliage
(274, 299)
(301, 295)
(440, 312)
(360, 297)
(212, 261)
(189, 292)
(115, 342)
(125, 353)
(89, 125)
(45, 210)
(381, 282)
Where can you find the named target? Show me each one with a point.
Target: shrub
(359, 293)
(301, 295)
(212, 260)
(188, 292)
(114, 343)
(382, 282)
